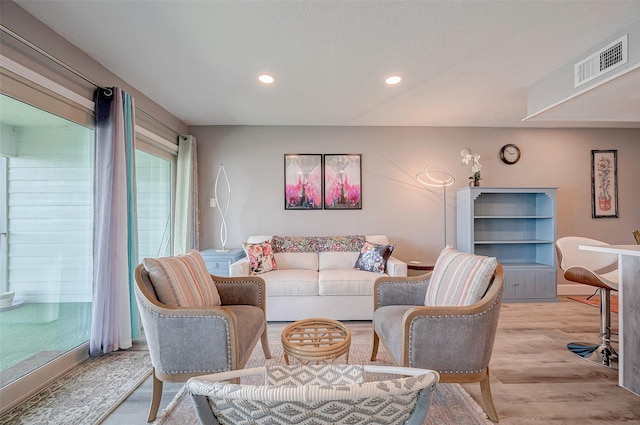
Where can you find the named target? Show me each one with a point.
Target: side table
(316, 340)
(218, 261)
(416, 268)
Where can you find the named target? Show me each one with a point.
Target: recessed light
(266, 79)
(393, 80)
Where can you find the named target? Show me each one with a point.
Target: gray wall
(394, 203)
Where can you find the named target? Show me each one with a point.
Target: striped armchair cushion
(182, 281)
(459, 279)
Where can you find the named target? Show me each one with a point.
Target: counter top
(614, 249)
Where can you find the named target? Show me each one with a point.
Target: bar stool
(584, 267)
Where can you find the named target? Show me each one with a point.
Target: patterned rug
(595, 301)
(85, 395)
(451, 405)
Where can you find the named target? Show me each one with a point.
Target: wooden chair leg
(485, 389)
(265, 344)
(374, 350)
(156, 398)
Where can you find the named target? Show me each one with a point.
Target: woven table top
(316, 340)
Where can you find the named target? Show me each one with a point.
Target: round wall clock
(510, 154)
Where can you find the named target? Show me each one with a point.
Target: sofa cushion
(260, 257)
(291, 282)
(459, 279)
(249, 321)
(347, 282)
(388, 322)
(337, 260)
(297, 260)
(259, 238)
(182, 281)
(373, 257)
(377, 239)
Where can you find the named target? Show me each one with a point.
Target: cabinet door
(218, 267)
(530, 284)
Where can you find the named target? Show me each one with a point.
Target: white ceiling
(465, 63)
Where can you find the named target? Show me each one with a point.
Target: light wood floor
(535, 380)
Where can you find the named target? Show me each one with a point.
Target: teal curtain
(132, 216)
(186, 222)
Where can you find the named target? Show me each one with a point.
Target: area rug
(595, 301)
(451, 405)
(87, 394)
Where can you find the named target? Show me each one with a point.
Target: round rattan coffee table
(316, 340)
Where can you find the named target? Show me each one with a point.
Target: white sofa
(319, 284)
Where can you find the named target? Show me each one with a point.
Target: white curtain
(114, 234)
(186, 225)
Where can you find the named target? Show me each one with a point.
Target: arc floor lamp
(436, 174)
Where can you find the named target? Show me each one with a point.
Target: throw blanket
(317, 243)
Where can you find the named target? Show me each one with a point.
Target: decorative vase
(6, 299)
(604, 203)
(474, 183)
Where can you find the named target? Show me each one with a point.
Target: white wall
(50, 214)
(394, 203)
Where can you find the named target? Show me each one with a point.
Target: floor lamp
(436, 174)
(223, 211)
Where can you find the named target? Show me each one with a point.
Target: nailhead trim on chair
(228, 336)
(447, 316)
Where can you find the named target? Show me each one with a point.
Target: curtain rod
(76, 73)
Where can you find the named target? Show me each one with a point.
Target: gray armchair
(457, 342)
(188, 342)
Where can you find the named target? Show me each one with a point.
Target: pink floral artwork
(342, 186)
(303, 181)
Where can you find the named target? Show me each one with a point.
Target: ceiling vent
(604, 60)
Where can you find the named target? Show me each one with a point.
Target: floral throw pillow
(260, 255)
(373, 258)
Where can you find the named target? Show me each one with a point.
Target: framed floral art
(342, 181)
(604, 184)
(303, 181)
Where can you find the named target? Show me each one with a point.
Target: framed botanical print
(604, 184)
(342, 182)
(303, 181)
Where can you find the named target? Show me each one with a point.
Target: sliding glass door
(46, 196)
(153, 185)
(3, 225)
(46, 232)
